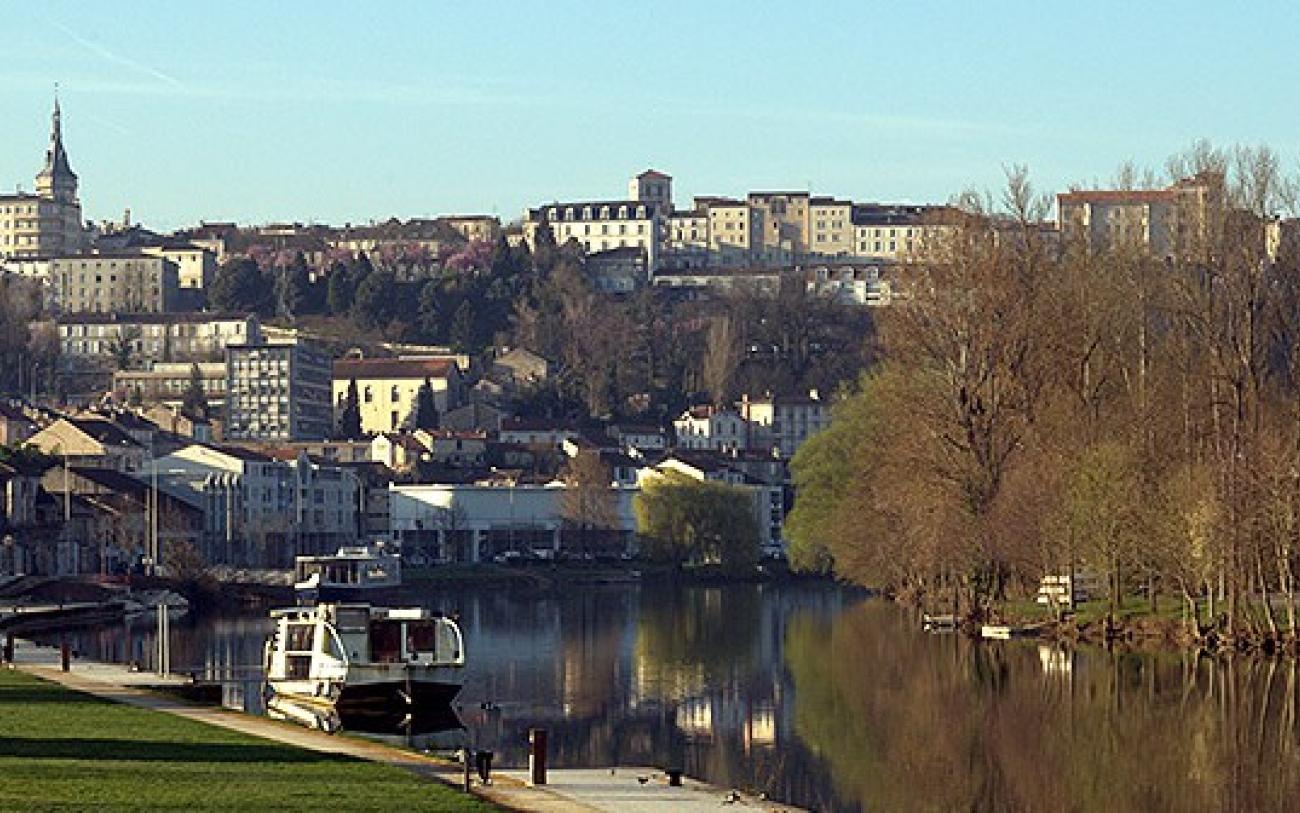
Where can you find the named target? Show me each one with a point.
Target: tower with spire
(56, 180)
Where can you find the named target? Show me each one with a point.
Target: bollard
(65, 654)
(9, 647)
(674, 777)
(537, 756)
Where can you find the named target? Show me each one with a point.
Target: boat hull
(379, 707)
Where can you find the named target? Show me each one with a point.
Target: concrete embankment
(619, 790)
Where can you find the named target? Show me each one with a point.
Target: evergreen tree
(545, 251)
(462, 328)
(241, 287)
(339, 290)
(292, 288)
(195, 403)
(375, 304)
(349, 424)
(425, 413)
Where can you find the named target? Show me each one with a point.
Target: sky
(340, 112)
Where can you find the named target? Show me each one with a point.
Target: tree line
(643, 356)
(1045, 407)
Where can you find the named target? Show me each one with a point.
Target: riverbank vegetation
(700, 522)
(63, 750)
(1052, 409)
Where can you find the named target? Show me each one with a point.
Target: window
(394, 394)
(369, 396)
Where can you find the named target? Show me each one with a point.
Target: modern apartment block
(278, 392)
(1164, 221)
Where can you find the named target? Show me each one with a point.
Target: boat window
(301, 637)
(386, 641)
(352, 619)
(422, 636)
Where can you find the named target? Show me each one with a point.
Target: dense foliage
(1042, 408)
(684, 520)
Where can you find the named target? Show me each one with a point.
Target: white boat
(360, 667)
(349, 573)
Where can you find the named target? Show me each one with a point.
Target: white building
(278, 391)
(783, 423)
(261, 511)
(445, 522)
(711, 428)
(601, 226)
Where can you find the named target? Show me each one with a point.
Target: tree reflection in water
(909, 721)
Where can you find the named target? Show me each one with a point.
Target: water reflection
(828, 701)
(906, 721)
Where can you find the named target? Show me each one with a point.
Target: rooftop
(393, 368)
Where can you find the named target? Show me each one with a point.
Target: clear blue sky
(331, 111)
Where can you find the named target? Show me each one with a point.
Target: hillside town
(180, 393)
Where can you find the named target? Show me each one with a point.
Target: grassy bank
(63, 750)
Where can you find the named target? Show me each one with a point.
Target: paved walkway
(578, 790)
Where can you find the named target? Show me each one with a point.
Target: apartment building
(196, 266)
(387, 389)
(783, 423)
(98, 337)
(260, 509)
(830, 227)
(278, 391)
(485, 228)
(1163, 221)
(117, 282)
(601, 226)
(730, 224)
(167, 383)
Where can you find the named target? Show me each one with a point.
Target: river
(824, 698)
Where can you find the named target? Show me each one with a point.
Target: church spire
(57, 180)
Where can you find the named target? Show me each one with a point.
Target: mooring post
(65, 654)
(537, 756)
(9, 647)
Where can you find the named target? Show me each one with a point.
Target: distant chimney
(126, 218)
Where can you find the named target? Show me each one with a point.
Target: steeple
(57, 180)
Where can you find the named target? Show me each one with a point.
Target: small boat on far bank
(1005, 632)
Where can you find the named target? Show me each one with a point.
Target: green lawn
(63, 750)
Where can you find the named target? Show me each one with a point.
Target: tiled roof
(392, 368)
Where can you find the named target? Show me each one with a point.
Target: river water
(824, 698)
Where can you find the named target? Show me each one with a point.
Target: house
(475, 415)
(707, 427)
(783, 423)
(521, 367)
(640, 437)
(536, 432)
(454, 448)
(387, 388)
(397, 450)
(91, 441)
(15, 426)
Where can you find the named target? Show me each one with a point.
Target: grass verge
(64, 750)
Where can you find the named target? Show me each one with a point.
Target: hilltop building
(49, 221)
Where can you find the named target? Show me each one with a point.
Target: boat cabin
(322, 642)
(351, 567)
